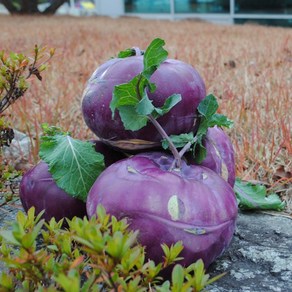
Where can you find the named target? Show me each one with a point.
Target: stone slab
(259, 258)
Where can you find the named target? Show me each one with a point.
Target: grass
(248, 67)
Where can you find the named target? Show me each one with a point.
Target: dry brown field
(248, 67)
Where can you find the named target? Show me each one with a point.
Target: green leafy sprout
(97, 254)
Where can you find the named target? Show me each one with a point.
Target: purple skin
(220, 154)
(171, 77)
(193, 204)
(39, 190)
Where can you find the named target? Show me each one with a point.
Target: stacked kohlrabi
(169, 165)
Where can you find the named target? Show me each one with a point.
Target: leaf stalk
(174, 151)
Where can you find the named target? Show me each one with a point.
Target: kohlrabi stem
(175, 153)
(185, 149)
(164, 135)
(181, 153)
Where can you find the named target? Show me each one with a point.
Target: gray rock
(259, 257)
(19, 150)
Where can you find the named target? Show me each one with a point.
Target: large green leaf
(74, 164)
(251, 197)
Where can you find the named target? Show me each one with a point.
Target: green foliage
(15, 70)
(128, 53)
(131, 98)
(100, 254)
(8, 176)
(255, 197)
(179, 141)
(207, 118)
(52, 130)
(74, 164)
(135, 108)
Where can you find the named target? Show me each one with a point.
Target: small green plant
(15, 69)
(100, 254)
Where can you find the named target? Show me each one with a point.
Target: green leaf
(165, 287)
(177, 277)
(199, 150)
(208, 106)
(126, 53)
(69, 282)
(131, 119)
(125, 94)
(52, 130)
(89, 284)
(9, 237)
(6, 282)
(201, 278)
(74, 164)
(152, 270)
(251, 196)
(171, 254)
(179, 141)
(116, 246)
(154, 55)
(145, 106)
(131, 259)
(215, 278)
(29, 238)
(208, 118)
(169, 103)
(221, 121)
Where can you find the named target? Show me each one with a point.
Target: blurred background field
(248, 67)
